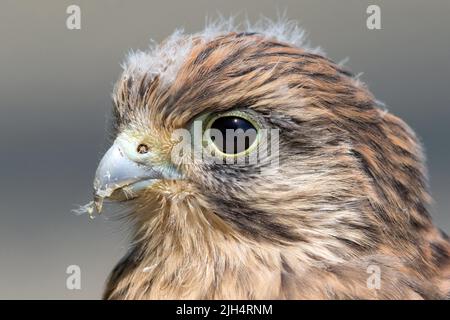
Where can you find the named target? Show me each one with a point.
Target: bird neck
(185, 251)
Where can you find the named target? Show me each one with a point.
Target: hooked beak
(123, 172)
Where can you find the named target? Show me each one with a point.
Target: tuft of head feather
(165, 60)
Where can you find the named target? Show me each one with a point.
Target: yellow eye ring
(237, 117)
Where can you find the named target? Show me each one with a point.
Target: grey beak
(117, 171)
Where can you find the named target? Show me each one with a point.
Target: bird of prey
(341, 213)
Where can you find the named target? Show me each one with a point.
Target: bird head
(339, 175)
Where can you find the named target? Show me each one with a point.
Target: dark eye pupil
(237, 134)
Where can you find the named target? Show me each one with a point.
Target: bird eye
(232, 134)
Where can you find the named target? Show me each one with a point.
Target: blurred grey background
(55, 89)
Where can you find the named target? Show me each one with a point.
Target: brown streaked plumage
(350, 192)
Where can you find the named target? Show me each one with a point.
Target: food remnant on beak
(98, 202)
(87, 208)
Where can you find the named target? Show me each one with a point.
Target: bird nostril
(142, 148)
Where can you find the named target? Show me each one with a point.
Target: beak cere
(118, 177)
